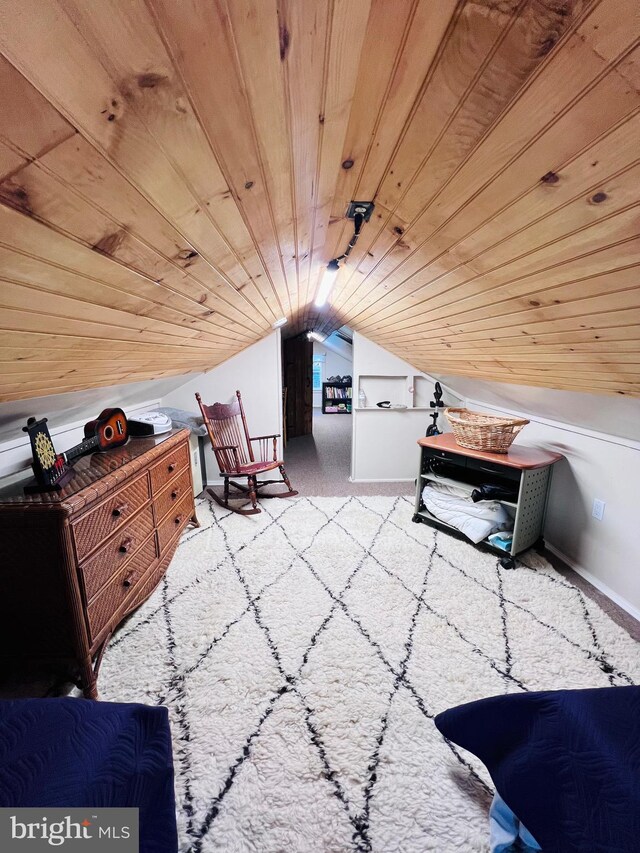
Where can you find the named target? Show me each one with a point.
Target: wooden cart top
(516, 457)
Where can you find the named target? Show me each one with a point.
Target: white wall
(612, 414)
(257, 373)
(66, 416)
(596, 465)
(602, 460)
(335, 364)
(384, 441)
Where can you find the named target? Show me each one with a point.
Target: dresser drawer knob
(171, 467)
(120, 510)
(128, 580)
(125, 547)
(174, 494)
(177, 520)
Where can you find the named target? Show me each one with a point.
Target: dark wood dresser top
(94, 475)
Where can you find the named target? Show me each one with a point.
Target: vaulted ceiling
(174, 176)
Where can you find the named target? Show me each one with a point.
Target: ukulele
(108, 430)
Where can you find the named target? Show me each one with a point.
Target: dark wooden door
(297, 365)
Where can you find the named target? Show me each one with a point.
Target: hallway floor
(320, 464)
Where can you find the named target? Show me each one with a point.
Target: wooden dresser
(74, 563)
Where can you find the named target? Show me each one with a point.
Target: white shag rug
(304, 652)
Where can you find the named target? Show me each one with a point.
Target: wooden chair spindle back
(233, 446)
(227, 428)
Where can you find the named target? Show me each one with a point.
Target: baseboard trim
(380, 480)
(594, 581)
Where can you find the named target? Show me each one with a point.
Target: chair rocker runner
(234, 450)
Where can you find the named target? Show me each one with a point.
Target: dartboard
(45, 451)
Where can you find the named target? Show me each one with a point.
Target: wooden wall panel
(176, 178)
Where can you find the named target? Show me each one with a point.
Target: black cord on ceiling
(358, 221)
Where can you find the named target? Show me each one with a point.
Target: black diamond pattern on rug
(304, 652)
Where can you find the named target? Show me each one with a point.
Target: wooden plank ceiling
(174, 177)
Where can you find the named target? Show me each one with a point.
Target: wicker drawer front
(172, 495)
(112, 556)
(123, 587)
(175, 521)
(98, 524)
(169, 467)
(147, 585)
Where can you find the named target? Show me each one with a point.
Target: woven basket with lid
(478, 431)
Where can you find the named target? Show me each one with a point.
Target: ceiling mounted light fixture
(360, 212)
(326, 285)
(281, 322)
(316, 336)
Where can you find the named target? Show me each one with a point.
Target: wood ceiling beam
(31, 252)
(145, 128)
(22, 390)
(36, 192)
(478, 214)
(175, 179)
(484, 66)
(69, 184)
(543, 216)
(210, 76)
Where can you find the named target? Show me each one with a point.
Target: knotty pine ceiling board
(175, 179)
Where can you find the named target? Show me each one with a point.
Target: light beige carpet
(320, 464)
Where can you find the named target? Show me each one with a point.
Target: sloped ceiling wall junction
(174, 177)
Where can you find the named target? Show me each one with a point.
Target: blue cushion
(567, 762)
(79, 753)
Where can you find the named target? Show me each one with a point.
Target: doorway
(319, 420)
(297, 380)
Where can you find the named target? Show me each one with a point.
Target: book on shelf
(335, 392)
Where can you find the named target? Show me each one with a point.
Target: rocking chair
(233, 448)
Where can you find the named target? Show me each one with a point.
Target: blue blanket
(77, 753)
(566, 762)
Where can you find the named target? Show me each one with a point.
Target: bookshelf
(336, 398)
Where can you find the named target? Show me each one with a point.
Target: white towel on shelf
(455, 507)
